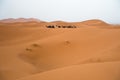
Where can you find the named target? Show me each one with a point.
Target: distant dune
(12, 20)
(31, 51)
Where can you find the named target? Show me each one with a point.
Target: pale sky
(66, 10)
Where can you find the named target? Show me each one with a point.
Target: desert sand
(31, 51)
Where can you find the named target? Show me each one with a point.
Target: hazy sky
(67, 10)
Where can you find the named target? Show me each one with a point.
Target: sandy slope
(98, 71)
(71, 47)
(30, 51)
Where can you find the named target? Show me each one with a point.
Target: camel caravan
(52, 26)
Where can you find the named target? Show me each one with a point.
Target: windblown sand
(30, 51)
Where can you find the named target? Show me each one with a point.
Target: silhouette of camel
(52, 26)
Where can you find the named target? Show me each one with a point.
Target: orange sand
(30, 51)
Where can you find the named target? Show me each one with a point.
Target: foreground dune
(72, 47)
(30, 51)
(98, 71)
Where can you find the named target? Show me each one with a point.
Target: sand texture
(31, 51)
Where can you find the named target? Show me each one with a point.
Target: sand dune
(31, 51)
(95, 22)
(63, 49)
(98, 71)
(12, 20)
